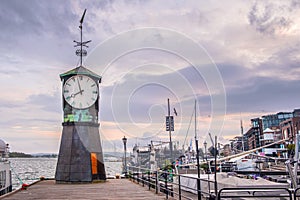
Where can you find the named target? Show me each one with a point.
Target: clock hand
(80, 91)
(73, 95)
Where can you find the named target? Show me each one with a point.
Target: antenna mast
(81, 52)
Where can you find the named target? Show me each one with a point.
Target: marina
(178, 183)
(153, 79)
(142, 183)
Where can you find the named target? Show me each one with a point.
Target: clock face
(80, 91)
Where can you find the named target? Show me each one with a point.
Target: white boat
(243, 163)
(5, 172)
(225, 180)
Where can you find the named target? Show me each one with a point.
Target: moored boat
(5, 172)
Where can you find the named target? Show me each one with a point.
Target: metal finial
(81, 52)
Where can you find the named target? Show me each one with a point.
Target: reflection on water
(29, 170)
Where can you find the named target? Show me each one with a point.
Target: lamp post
(149, 156)
(170, 132)
(125, 164)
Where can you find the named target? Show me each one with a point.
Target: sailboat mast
(197, 154)
(195, 121)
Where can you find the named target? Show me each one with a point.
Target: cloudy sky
(239, 59)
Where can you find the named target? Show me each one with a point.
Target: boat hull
(5, 178)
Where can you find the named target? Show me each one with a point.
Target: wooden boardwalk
(111, 189)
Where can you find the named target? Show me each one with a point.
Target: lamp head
(124, 140)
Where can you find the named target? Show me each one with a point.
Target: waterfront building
(236, 144)
(253, 138)
(156, 155)
(290, 127)
(269, 136)
(296, 113)
(253, 135)
(272, 121)
(282, 125)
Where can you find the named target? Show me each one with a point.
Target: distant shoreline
(24, 155)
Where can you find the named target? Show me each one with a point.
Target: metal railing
(255, 192)
(172, 185)
(169, 183)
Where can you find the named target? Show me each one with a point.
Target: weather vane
(81, 52)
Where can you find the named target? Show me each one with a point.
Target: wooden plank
(111, 189)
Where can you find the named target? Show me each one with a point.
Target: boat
(5, 172)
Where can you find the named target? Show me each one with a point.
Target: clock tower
(80, 156)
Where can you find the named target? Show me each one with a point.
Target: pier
(111, 189)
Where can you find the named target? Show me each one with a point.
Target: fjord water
(29, 170)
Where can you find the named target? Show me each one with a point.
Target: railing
(258, 192)
(296, 194)
(172, 185)
(169, 183)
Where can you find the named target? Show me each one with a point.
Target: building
(226, 150)
(253, 135)
(270, 136)
(273, 121)
(236, 144)
(282, 125)
(289, 128)
(252, 138)
(296, 113)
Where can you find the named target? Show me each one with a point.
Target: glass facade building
(269, 121)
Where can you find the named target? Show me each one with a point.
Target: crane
(212, 149)
(212, 141)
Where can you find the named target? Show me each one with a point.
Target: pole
(242, 132)
(171, 146)
(216, 185)
(208, 165)
(296, 156)
(81, 45)
(149, 157)
(125, 149)
(197, 154)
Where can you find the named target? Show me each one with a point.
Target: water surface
(29, 170)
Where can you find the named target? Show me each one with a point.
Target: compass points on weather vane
(81, 52)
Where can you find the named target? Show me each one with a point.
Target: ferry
(5, 172)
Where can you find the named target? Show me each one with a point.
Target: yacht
(5, 172)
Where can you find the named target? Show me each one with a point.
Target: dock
(111, 189)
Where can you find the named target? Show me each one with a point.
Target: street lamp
(205, 154)
(125, 164)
